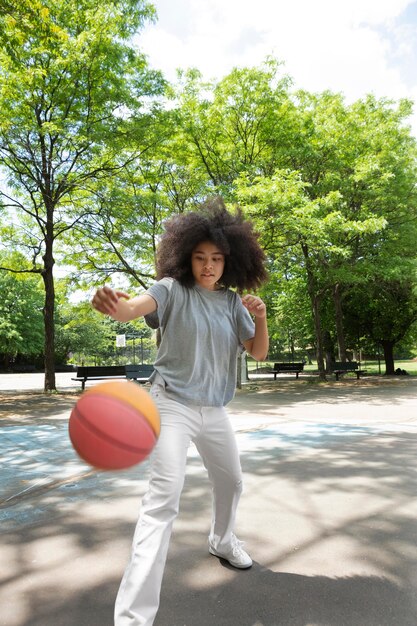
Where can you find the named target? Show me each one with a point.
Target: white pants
(210, 429)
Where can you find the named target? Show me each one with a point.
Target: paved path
(329, 513)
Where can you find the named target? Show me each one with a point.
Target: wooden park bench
(340, 368)
(286, 368)
(138, 373)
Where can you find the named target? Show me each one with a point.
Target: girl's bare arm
(120, 306)
(258, 346)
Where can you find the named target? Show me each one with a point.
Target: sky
(354, 48)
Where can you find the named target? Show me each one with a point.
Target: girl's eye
(203, 259)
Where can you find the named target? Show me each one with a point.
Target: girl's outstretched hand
(254, 305)
(105, 300)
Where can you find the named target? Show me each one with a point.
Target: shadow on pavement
(34, 406)
(64, 570)
(259, 597)
(262, 597)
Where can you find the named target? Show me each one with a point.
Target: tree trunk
(48, 312)
(242, 370)
(292, 347)
(319, 337)
(339, 323)
(315, 300)
(328, 346)
(388, 347)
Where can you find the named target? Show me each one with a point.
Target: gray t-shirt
(202, 332)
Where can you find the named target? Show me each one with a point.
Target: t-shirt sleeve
(245, 323)
(160, 292)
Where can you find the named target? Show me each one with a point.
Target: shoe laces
(237, 549)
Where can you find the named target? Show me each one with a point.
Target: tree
(291, 313)
(119, 236)
(366, 153)
(91, 338)
(384, 310)
(73, 92)
(21, 328)
(117, 239)
(348, 207)
(310, 237)
(239, 124)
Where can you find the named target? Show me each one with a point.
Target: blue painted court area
(38, 457)
(38, 465)
(38, 462)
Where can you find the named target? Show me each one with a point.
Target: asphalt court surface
(328, 512)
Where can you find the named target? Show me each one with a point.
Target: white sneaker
(236, 556)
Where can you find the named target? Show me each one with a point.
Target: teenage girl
(205, 258)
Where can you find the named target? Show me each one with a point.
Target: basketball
(114, 425)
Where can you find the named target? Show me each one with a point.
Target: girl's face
(207, 264)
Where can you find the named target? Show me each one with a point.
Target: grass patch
(372, 367)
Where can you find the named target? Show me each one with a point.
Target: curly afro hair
(232, 234)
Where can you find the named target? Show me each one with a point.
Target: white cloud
(355, 47)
